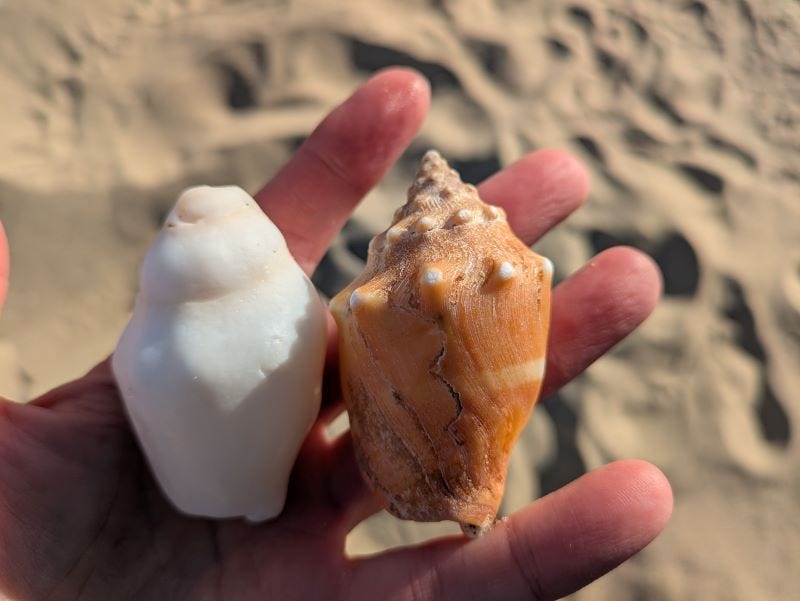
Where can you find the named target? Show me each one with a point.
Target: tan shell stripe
(516, 375)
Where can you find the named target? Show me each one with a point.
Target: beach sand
(686, 113)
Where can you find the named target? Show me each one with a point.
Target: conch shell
(442, 351)
(220, 366)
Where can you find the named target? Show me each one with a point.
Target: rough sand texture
(686, 112)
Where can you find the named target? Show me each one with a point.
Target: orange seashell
(442, 351)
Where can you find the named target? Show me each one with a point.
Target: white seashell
(220, 366)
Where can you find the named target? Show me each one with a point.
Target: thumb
(3, 265)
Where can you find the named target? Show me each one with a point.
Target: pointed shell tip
(432, 155)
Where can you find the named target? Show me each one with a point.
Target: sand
(687, 114)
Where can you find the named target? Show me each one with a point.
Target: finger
(314, 193)
(314, 494)
(550, 549)
(4, 265)
(94, 396)
(596, 308)
(538, 191)
(348, 493)
(305, 495)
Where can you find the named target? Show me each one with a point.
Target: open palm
(82, 518)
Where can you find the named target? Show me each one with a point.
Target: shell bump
(442, 351)
(220, 365)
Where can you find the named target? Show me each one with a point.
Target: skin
(80, 515)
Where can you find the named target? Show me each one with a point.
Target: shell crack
(436, 371)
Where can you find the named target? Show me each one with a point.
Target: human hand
(82, 518)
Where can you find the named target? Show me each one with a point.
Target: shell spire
(435, 184)
(442, 351)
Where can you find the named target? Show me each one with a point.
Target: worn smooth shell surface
(442, 351)
(220, 366)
